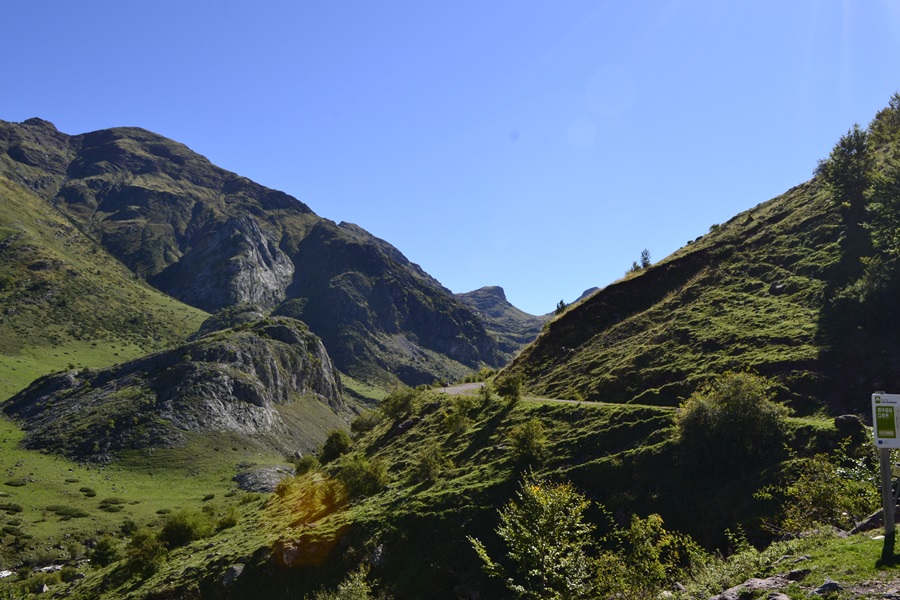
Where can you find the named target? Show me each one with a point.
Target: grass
(748, 296)
(66, 303)
(136, 488)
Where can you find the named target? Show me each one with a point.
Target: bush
(547, 543)
(145, 553)
(399, 403)
(362, 476)
(354, 587)
(431, 466)
(365, 422)
(457, 420)
(731, 422)
(106, 551)
(509, 387)
(836, 491)
(648, 559)
(337, 443)
(306, 463)
(528, 440)
(185, 526)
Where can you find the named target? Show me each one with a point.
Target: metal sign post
(886, 426)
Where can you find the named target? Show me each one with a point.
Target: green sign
(885, 426)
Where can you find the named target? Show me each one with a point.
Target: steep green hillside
(66, 303)
(749, 295)
(801, 288)
(214, 239)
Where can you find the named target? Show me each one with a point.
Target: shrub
(227, 520)
(431, 466)
(528, 440)
(306, 463)
(509, 387)
(648, 559)
(128, 527)
(354, 587)
(457, 420)
(836, 491)
(67, 512)
(485, 394)
(399, 403)
(106, 551)
(362, 476)
(731, 421)
(145, 553)
(365, 422)
(10, 507)
(547, 542)
(185, 526)
(337, 443)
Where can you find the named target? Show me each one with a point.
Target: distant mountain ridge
(513, 328)
(214, 239)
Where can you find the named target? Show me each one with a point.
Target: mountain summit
(213, 239)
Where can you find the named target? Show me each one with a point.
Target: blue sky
(539, 146)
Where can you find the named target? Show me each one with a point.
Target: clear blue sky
(539, 146)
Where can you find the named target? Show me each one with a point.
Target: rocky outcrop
(229, 263)
(264, 381)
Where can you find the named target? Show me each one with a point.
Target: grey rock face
(230, 262)
(242, 381)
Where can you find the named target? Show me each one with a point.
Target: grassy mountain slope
(65, 303)
(213, 239)
(749, 295)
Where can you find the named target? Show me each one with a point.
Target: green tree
(884, 208)
(561, 307)
(847, 171)
(731, 421)
(547, 541)
(885, 127)
(645, 258)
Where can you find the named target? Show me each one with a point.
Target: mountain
(269, 382)
(212, 239)
(512, 327)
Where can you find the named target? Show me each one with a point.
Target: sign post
(886, 426)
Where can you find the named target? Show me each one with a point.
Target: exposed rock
(247, 381)
(829, 587)
(263, 480)
(512, 327)
(752, 585)
(233, 572)
(229, 263)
